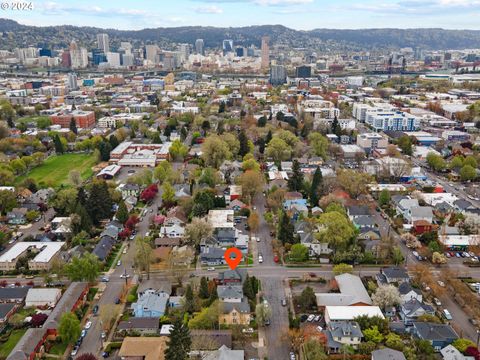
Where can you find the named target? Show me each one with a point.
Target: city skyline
(296, 14)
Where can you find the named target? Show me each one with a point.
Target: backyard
(54, 171)
(13, 339)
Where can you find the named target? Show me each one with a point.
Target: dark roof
(5, 309)
(27, 344)
(139, 323)
(212, 253)
(355, 210)
(387, 354)
(165, 241)
(104, 246)
(434, 332)
(237, 274)
(405, 288)
(242, 307)
(221, 337)
(66, 304)
(14, 293)
(395, 273)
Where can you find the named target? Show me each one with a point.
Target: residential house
(223, 353)
(315, 247)
(129, 190)
(417, 213)
(412, 309)
(340, 333)
(104, 247)
(143, 325)
(172, 230)
(150, 303)
(6, 310)
(230, 293)
(182, 191)
(355, 211)
(439, 335)
(404, 205)
(206, 337)
(17, 216)
(15, 294)
(408, 293)
(167, 242)
(236, 205)
(42, 297)
(212, 256)
(463, 206)
(236, 276)
(144, 348)
(387, 354)
(352, 293)
(450, 352)
(392, 275)
(337, 313)
(364, 221)
(233, 313)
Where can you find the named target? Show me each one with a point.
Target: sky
(296, 14)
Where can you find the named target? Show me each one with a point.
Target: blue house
(439, 335)
(150, 303)
(289, 204)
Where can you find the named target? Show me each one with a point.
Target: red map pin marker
(233, 262)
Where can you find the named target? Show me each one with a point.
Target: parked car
(105, 279)
(74, 351)
(95, 310)
(284, 302)
(117, 301)
(303, 317)
(310, 318)
(466, 254)
(458, 255)
(437, 302)
(124, 276)
(83, 333)
(447, 254)
(260, 259)
(211, 268)
(88, 325)
(248, 330)
(104, 335)
(441, 283)
(105, 354)
(317, 318)
(473, 321)
(267, 322)
(293, 356)
(319, 328)
(119, 262)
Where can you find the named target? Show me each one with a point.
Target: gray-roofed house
(392, 275)
(236, 276)
(104, 247)
(364, 221)
(355, 211)
(6, 310)
(224, 353)
(15, 294)
(387, 354)
(404, 205)
(439, 335)
(417, 213)
(407, 292)
(233, 313)
(450, 352)
(352, 292)
(150, 303)
(230, 293)
(212, 256)
(340, 333)
(206, 337)
(143, 326)
(463, 205)
(411, 310)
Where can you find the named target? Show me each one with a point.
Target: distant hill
(15, 34)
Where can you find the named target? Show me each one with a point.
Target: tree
(298, 253)
(38, 319)
(85, 268)
(105, 149)
(386, 296)
(262, 121)
(411, 241)
(462, 344)
(336, 128)
(337, 229)
(203, 293)
(353, 182)
(470, 160)
(314, 350)
(295, 182)
(69, 328)
(373, 334)
(179, 343)
(263, 312)
(307, 299)
(456, 163)
(366, 322)
(252, 183)
(189, 302)
(18, 166)
(244, 147)
(424, 347)
(253, 221)
(384, 198)
(113, 141)
(8, 200)
(438, 258)
(122, 212)
(99, 202)
(203, 201)
(168, 194)
(319, 144)
(108, 314)
(59, 148)
(315, 188)
(178, 150)
(278, 150)
(342, 269)
(467, 172)
(397, 255)
(221, 107)
(250, 164)
(366, 348)
(285, 229)
(436, 162)
(207, 318)
(215, 151)
(405, 144)
(75, 178)
(143, 254)
(73, 126)
(198, 230)
(394, 341)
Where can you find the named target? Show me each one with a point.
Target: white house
(42, 297)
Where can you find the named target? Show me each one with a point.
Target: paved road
(93, 342)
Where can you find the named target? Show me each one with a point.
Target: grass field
(13, 339)
(54, 171)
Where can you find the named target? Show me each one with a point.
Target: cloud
(418, 7)
(209, 9)
(261, 2)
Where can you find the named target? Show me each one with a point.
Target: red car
(276, 258)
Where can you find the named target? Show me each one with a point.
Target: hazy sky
(297, 14)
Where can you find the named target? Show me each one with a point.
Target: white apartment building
(319, 109)
(392, 121)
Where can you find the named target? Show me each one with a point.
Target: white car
(211, 268)
(248, 331)
(317, 318)
(119, 262)
(310, 318)
(437, 302)
(124, 251)
(260, 259)
(441, 283)
(74, 351)
(124, 276)
(88, 325)
(319, 328)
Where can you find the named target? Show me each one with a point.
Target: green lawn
(8, 346)
(58, 348)
(54, 171)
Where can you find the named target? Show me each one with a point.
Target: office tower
(45, 52)
(227, 46)
(125, 47)
(239, 51)
(303, 71)
(127, 60)
(98, 57)
(113, 59)
(72, 81)
(184, 50)
(151, 53)
(278, 75)
(66, 59)
(251, 51)
(199, 47)
(265, 52)
(103, 43)
(78, 56)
